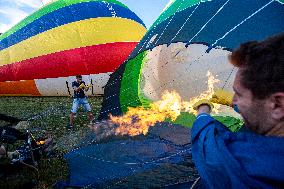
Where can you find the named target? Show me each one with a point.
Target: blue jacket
(236, 160)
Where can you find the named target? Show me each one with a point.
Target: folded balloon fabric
(221, 96)
(201, 102)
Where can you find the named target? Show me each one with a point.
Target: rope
(134, 163)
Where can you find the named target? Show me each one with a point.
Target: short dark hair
(262, 64)
(79, 76)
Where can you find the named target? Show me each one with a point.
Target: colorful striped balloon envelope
(188, 39)
(41, 55)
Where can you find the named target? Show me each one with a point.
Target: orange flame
(205, 95)
(138, 120)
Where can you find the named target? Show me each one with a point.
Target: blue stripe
(65, 15)
(267, 22)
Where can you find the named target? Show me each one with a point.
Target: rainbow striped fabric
(42, 54)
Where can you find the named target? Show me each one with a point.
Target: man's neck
(278, 130)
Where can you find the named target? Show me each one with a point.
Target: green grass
(46, 115)
(50, 115)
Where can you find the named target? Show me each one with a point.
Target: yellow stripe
(77, 34)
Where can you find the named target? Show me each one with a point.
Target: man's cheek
(242, 111)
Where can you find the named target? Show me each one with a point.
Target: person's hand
(82, 86)
(2, 150)
(203, 106)
(223, 97)
(88, 86)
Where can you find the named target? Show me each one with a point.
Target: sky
(13, 11)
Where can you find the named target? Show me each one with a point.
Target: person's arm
(204, 119)
(77, 89)
(2, 150)
(83, 86)
(208, 147)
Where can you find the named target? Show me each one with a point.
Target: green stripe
(177, 6)
(146, 102)
(130, 87)
(47, 9)
(187, 119)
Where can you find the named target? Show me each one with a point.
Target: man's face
(253, 111)
(79, 79)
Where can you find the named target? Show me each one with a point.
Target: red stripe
(85, 60)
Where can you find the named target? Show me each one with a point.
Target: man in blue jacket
(253, 159)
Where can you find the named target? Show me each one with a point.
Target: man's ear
(277, 105)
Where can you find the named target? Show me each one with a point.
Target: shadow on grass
(46, 116)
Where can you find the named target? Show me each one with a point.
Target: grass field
(50, 115)
(45, 115)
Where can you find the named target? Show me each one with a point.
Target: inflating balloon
(41, 55)
(188, 39)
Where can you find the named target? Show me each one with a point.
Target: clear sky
(13, 11)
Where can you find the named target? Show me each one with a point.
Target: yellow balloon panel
(74, 35)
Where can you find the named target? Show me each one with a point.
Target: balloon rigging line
(181, 27)
(209, 21)
(120, 77)
(160, 35)
(185, 22)
(138, 100)
(133, 163)
(243, 22)
(110, 8)
(172, 39)
(129, 163)
(205, 26)
(163, 30)
(180, 76)
(225, 83)
(133, 170)
(149, 34)
(232, 29)
(145, 40)
(227, 33)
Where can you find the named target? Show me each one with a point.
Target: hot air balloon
(41, 55)
(188, 39)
